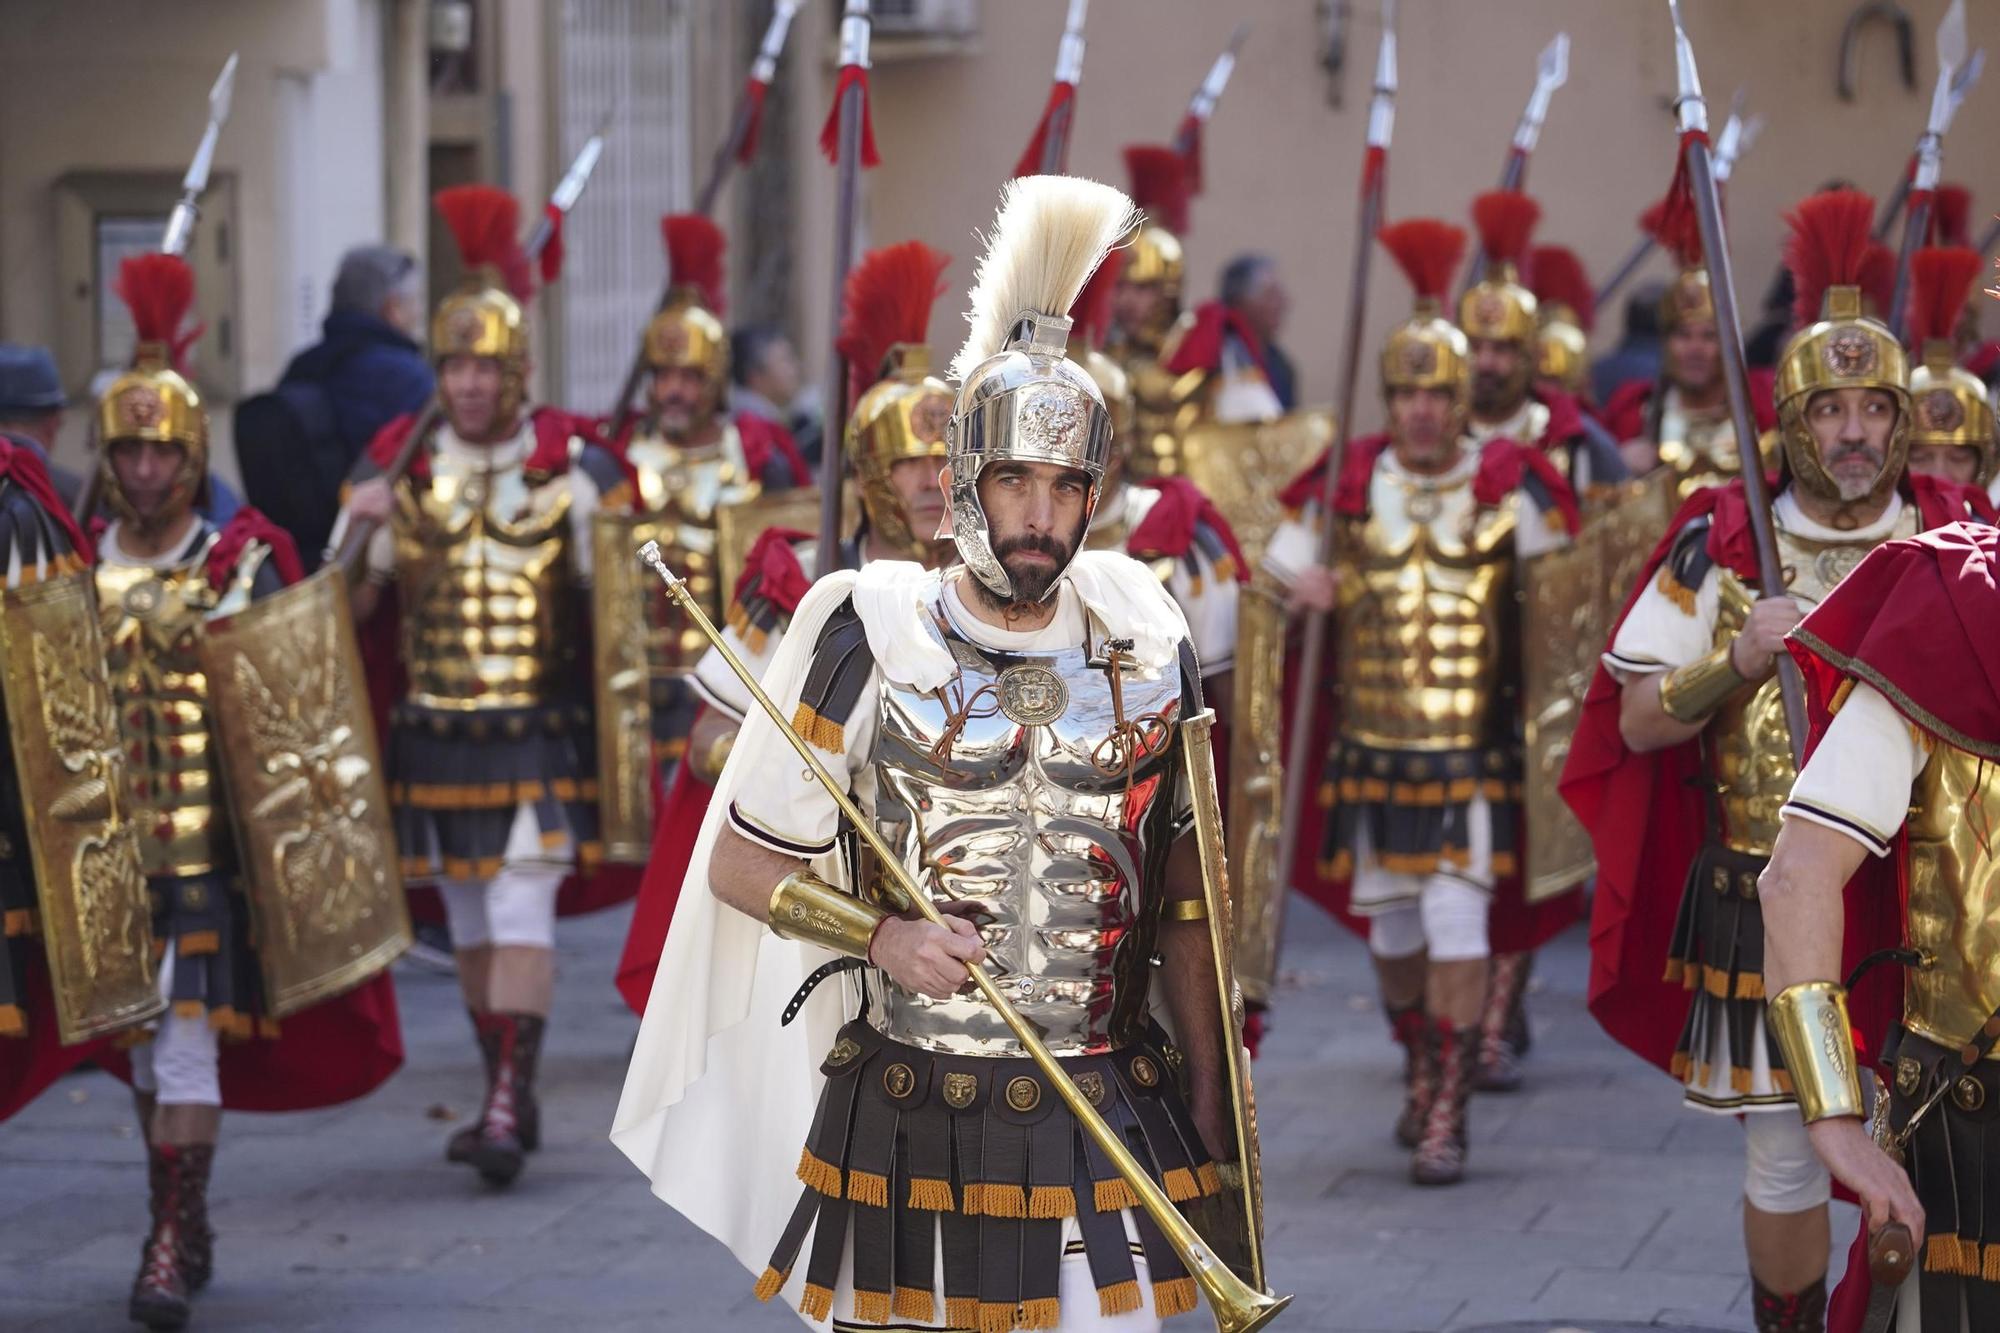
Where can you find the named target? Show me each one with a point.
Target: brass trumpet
(1237, 1306)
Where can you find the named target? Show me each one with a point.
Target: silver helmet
(1020, 397)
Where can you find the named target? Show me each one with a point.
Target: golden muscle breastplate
(685, 485)
(152, 622)
(1954, 903)
(1747, 746)
(487, 567)
(1164, 407)
(1422, 618)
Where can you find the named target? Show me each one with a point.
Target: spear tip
(225, 87)
(1951, 37)
(1236, 38)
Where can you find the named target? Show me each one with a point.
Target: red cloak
(1628, 412)
(1505, 466)
(761, 438)
(1644, 811)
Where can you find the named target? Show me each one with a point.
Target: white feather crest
(1049, 237)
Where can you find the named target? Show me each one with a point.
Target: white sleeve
(783, 806)
(1661, 633)
(1211, 612)
(583, 505)
(1858, 780)
(717, 684)
(1292, 548)
(1533, 533)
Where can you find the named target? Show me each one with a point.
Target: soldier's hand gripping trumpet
(1237, 1306)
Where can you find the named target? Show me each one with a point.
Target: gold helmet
(900, 407)
(1498, 306)
(485, 316)
(1428, 351)
(1160, 188)
(153, 400)
(1090, 324)
(1567, 308)
(1839, 346)
(1677, 230)
(689, 332)
(1949, 403)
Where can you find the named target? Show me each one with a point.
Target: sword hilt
(1892, 1252)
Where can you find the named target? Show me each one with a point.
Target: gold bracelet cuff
(1185, 909)
(1810, 1023)
(806, 908)
(1691, 693)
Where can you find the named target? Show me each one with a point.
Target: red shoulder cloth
(20, 466)
(245, 526)
(1350, 492)
(550, 454)
(771, 570)
(675, 832)
(1200, 347)
(1168, 529)
(1506, 466)
(1624, 413)
(763, 437)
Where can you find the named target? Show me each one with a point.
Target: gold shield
(622, 597)
(738, 526)
(297, 752)
(1242, 466)
(1561, 636)
(1232, 1222)
(1256, 786)
(96, 914)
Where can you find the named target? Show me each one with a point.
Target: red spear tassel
(1374, 169)
(829, 133)
(1677, 210)
(552, 252)
(1060, 96)
(1190, 134)
(753, 97)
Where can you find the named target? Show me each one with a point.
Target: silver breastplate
(1016, 786)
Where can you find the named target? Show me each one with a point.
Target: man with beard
(691, 456)
(945, 1179)
(1681, 759)
(895, 446)
(1955, 435)
(1682, 422)
(491, 754)
(1422, 782)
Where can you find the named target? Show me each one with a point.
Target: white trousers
(517, 907)
(180, 1066)
(1782, 1173)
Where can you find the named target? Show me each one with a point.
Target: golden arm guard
(805, 907)
(1690, 693)
(1810, 1022)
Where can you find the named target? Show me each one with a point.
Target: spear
(1930, 155)
(1961, 84)
(852, 141)
(1551, 73)
(1187, 139)
(1734, 141)
(180, 224)
(736, 147)
(1698, 166)
(541, 237)
(1374, 186)
(1047, 153)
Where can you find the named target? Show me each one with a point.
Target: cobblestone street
(1594, 1202)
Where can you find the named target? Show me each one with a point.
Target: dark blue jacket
(371, 374)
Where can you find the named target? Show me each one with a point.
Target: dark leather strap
(811, 983)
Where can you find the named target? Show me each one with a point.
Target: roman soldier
(1565, 314)
(1421, 799)
(1882, 857)
(1016, 729)
(1147, 322)
(1500, 319)
(1953, 434)
(165, 580)
(894, 444)
(1682, 420)
(690, 456)
(1166, 522)
(1681, 759)
(484, 539)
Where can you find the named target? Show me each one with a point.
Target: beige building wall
(1283, 162)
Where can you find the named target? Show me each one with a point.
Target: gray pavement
(1594, 1203)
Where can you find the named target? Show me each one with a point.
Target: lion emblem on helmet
(141, 406)
(1417, 358)
(1851, 353)
(1052, 421)
(1940, 411)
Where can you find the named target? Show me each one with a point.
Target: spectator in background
(1637, 356)
(31, 410)
(1250, 288)
(297, 443)
(767, 379)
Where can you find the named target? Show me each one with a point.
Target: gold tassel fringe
(1180, 1185)
(869, 1188)
(1052, 1201)
(1044, 1313)
(961, 1311)
(912, 1303)
(814, 1174)
(930, 1195)
(13, 1021)
(972, 1204)
(1675, 591)
(769, 1283)
(994, 1318)
(817, 1302)
(871, 1307)
(1172, 1298)
(1118, 1298)
(1006, 1201)
(823, 732)
(1211, 1179)
(1112, 1195)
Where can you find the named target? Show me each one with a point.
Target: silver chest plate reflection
(1025, 786)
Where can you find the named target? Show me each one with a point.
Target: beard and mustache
(1032, 582)
(1855, 486)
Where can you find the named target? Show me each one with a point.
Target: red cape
(1644, 811)
(1168, 529)
(1515, 924)
(1627, 412)
(761, 438)
(1200, 346)
(604, 885)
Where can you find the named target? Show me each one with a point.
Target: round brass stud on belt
(1968, 1094)
(843, 1050)
(959, 1090)
(1091, 1084)
(1024, 1094)
(1144, 1072)
(1909, 1076)
(898, 1079)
